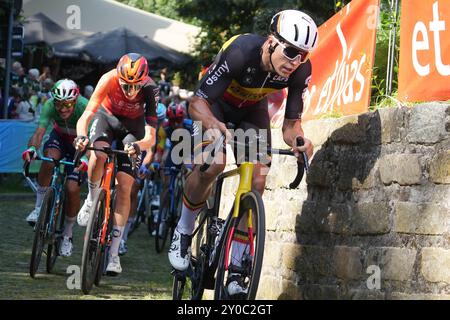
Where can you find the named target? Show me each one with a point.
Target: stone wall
(375, 202)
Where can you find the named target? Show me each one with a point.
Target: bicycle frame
(108, 176)
(58, 187)
(173, 176)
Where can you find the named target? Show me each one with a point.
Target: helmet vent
(315, 38)
(307, 37)
(296, 32)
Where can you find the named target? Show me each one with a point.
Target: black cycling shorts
(55, 141)
(254, 117)
(109, 128)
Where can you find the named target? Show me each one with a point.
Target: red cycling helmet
(175, 112)
(132, 68)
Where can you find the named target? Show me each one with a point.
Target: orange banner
(424, 73)
(342, 63)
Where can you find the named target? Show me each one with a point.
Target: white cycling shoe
(33, 216)
(84, 213)
(66, 248)
(180, 251)
(113, 268)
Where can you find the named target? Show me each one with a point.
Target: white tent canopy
(105, 15)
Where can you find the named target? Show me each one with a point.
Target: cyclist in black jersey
(234, 89)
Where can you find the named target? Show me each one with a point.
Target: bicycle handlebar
(301, 166)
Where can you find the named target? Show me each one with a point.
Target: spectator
(88, 90)
(46, 74)
(32, 82)
(164, 85)
(14, 100)
(25, 110)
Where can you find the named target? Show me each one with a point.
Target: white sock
(117, 233)
(68, 226)
(186, 224)
(40, 195)
(237, 252)
(127, 228)
(94, 190)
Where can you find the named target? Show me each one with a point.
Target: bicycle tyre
(250, 200)
(58, 228)
(101, 270)
(150, 194)
(163, 224)
(92, 249)
(40, 231)
(196, 272)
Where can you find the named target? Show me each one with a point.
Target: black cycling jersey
(236, 76)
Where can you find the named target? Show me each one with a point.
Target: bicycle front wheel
(101, 270)
(92, 244)
(189, 284)
(56, 237)
(249, 265)
(40, 231)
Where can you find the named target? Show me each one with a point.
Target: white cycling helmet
(65, 90)
(296, 28)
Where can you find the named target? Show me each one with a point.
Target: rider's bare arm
(149, 138)
(36, 138)
(101, 90)
(291, 130)
(200, 110)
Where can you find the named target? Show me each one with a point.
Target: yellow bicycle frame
(245, 172)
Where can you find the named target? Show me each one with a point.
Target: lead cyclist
(234, 89)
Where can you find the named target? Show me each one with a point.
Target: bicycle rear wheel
(56, 237)
(251, 263)
(92, 247)
(163, 224)
(40, 231)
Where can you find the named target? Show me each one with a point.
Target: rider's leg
(97, 161)
(121, 209)
(196, 191)
(72, 206)
(133, 208)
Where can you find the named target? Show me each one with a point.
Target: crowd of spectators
(31, 89)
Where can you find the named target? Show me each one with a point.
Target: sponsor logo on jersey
(219, 71)
(201, 94)
(278, 78)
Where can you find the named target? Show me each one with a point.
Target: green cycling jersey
(49, 114)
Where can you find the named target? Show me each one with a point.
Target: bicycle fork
(245, 185)
(106, 186)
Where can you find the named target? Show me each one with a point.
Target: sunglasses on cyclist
(130, 89)
(64, 104)
(292, 53)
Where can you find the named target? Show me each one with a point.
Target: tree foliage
(220, 20)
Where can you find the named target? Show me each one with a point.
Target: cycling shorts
(56, 141)
(107, 127)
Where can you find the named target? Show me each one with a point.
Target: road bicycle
(212, 243)
(145, 211)
(98, 237)
(170, 207)
(50, 224)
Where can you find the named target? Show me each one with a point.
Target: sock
(68, 226)
(127, 228)
(40, 195)
(239, 246)
(186, 224)
(117, 236)
(94, 190)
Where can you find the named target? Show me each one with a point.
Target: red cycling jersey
(109, 94)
